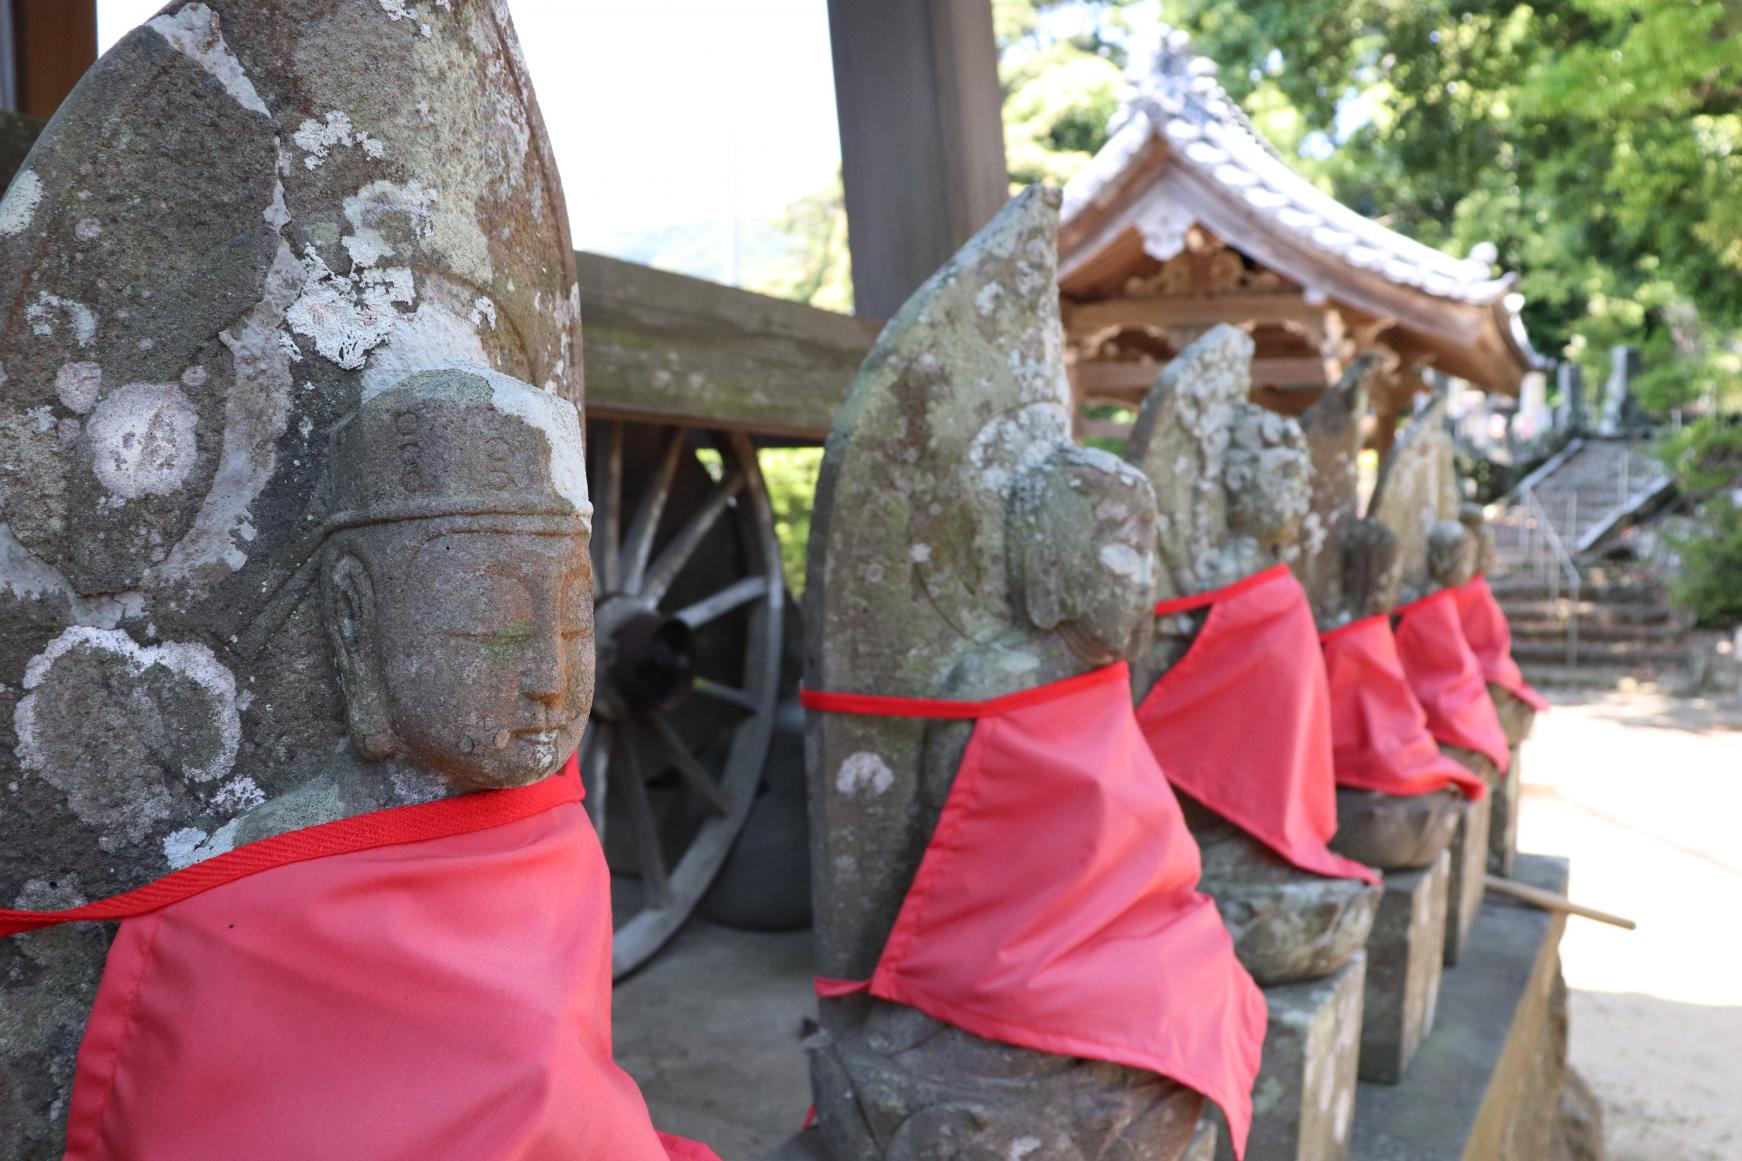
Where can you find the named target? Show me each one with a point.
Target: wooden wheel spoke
(608, 534)
(650, 860)
(596, 771)
(677, 554)
(731, 695)
(741, 592)
(638, 544)
(693, 774)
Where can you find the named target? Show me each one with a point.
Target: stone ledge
(1468, 1081)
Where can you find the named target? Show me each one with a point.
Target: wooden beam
(1132, 380)
(922, 137)
(1189, 310)
(663, 347)
(55, 41)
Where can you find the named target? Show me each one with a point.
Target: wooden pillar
(922, 137)
(50, 44)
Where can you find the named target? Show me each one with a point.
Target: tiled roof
(1175, 96)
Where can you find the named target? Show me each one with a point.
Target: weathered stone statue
(963, 549)
(1517, 711)
(1416, 499)
(1231, 480)
(1349, 567)
(233, 233)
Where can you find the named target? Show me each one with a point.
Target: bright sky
(665, 112)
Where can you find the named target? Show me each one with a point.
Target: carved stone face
(467, 649)
(1085, 536)
(1370, 574)
(459, 593)
(1267, 476)
(1451, 554)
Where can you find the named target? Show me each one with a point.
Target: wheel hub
(647, 659)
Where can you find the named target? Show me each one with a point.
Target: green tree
(1597, 143)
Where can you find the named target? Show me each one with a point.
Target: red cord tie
(1186, 604)
(379, 828)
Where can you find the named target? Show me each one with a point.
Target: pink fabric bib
(1490, 639)
(1447, 679)
(1379, 734)
(1243, 722)
(364, 990)
(1056, 906)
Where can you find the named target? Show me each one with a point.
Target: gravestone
(249, 219)
(962, 547)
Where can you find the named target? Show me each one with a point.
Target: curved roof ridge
(1175, 95)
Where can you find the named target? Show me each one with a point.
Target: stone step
(1528, 588)
(1603, 677)
(1521, 611)
(1627, 654)
(1596, 629)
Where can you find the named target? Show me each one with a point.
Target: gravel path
(1644, 794)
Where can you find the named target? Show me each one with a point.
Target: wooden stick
(1549, 901)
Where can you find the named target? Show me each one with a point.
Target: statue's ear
(1042, 581)
(354, 630)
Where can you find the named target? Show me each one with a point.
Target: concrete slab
(1405, 956)
(1477, 1080)
(713, 1032)
(1304, 1099)
(1469, 869)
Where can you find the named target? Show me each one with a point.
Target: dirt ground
(1644, 794)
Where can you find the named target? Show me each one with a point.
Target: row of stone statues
(295, 583)
(970, 566)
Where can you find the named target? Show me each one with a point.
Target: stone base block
(1469, 867)
(1405, 956)
(1491, 1083)
(1303, 1104)
(1503, 822)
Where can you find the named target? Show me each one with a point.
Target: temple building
(1188, 217)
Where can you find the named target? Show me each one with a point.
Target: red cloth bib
(1490, 639)
(1379, 734)
(1056, 906)
(1243, 722)
(1447, 679)
(419, 983)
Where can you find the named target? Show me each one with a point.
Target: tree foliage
(1597, 143)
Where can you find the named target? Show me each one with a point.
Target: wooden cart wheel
(689, 599)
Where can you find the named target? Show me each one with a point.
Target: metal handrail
(1553, 560)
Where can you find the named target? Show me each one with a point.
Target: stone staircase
(1618, 628)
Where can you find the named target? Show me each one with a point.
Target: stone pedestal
(1405, 955)
(1503, 822)
(1304, 1101)
(1469, 854)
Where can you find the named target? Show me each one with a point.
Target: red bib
(1446, 678)
(1379, 734)
(1490, 639)
(1056, 906)
(1243, 722)
(420, 983)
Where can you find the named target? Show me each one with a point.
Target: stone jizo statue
(1232, 482)
(963, 550)
(1350, 567)
(457, 590)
